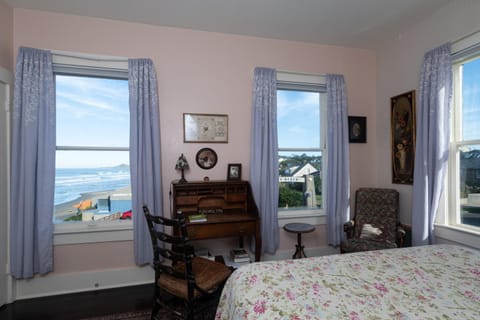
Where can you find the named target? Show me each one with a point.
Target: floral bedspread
(429, 282)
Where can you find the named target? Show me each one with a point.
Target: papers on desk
(197, 218)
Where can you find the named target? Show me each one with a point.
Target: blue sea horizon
(71, 183)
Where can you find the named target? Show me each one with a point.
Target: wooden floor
(80, 305)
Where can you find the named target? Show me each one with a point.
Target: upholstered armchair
(375, 225)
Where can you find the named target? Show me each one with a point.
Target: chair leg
(189, 311)
(155, 309)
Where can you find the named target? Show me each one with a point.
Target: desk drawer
(220, 230)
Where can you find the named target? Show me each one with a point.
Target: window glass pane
(470, 185)
(471, 100)
(300, 177)
(92, 111)
(93, 192)
(298, 117)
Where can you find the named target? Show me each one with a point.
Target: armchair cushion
(369, 232)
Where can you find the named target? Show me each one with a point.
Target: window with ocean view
(92, 180)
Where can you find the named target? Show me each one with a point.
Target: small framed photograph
(234, 171)
(199, 127)
(357, 129)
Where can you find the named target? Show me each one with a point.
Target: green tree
(289, 197)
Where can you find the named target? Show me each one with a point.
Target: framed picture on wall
(357, 129)
(199, 127)
(403, 128)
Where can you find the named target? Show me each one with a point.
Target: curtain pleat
(338, 161)
(264, 155)
(433, 129)
(33, 165)
(145, 159)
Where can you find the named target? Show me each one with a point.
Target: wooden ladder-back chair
(185, 285)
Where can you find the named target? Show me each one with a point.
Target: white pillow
(370, 232)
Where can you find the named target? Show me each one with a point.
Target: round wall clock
(206, 158)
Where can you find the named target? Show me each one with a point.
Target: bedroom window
(301, 115)
(465, 146)
(92, 174)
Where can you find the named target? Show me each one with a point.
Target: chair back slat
(173, 260)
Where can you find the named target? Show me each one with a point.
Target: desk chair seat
(187, 286)
(209, 276)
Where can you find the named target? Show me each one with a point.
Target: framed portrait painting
(357, 129)
(403, 128)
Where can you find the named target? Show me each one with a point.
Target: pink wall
(6, 36)
(208, 73)
(399, 64)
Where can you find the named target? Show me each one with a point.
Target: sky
(92, 112)
(471, 100)
(298, 117)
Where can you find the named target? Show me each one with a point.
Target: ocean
(70, 183)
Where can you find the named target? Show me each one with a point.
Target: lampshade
(181, 163)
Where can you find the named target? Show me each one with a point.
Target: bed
(429, 282)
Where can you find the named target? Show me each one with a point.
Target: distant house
(110, 208)
(303, 174)
(298, 173)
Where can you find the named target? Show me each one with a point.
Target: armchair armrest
(401, 232)
(348, 228)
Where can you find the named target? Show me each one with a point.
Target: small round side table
(299, 228)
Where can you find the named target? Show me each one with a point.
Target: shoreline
(67, 209)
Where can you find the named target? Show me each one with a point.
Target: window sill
(77, 233)
(463, 235)
(317, 217)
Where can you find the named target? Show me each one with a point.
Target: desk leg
(258, 247)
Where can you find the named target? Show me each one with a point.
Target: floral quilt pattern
(429, 282)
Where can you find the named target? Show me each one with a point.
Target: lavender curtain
(338, 173)
(33, 165)
(264, 155)
(145, 160)
(433, 129)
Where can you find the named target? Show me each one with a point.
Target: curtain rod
(88, 57)
(303, 73)
(465, 36)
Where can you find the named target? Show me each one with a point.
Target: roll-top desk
(228, 206)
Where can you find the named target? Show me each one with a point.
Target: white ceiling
(350, 23)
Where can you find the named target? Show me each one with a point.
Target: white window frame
(95, 231)
(301, 81)
(447, 224)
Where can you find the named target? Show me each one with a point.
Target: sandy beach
(68, 209)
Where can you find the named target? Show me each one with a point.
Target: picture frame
(202, 127)
(403, 130)
(357, 129)
(206, 158)
(234, 171)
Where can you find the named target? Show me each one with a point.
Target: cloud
(289, 102)
(90, 96)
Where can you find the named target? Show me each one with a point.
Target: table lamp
(182, 164)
